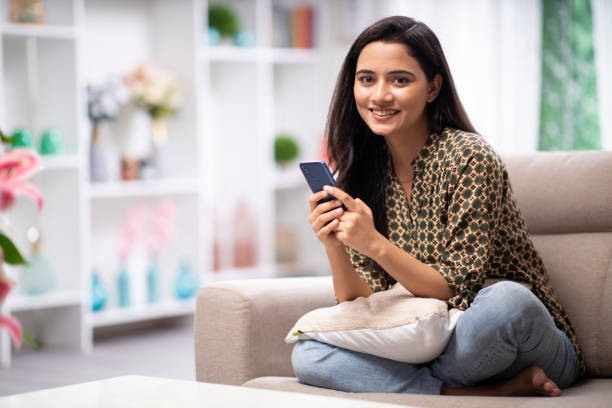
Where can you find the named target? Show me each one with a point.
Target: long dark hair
(355, 152)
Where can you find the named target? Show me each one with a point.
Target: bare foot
(531, 381)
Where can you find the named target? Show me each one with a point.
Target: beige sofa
(566, 199)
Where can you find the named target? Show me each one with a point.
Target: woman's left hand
(356, 228)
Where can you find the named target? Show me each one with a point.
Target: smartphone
(317, 175)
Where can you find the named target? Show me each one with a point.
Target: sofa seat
(591, 393)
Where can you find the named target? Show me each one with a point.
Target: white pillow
(392, 324)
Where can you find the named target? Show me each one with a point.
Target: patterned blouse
(462, 220)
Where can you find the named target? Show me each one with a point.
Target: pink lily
(15, 167)
(10, 323)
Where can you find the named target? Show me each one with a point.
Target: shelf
(20, 302)
(114, 316)
(39, 31)
(61, 162)
(124, 189)
(260, 54)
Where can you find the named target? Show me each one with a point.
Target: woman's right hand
(324, 218)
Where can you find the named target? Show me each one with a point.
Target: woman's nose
(381, 94)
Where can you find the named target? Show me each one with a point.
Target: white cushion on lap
(392, 324)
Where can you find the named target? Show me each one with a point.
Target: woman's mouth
(383, 114)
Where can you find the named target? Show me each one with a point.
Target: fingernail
(339, 210)
(326, 188)
(337, 202)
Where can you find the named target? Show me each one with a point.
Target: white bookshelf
(235, 100)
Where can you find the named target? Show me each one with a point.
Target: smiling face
(391, 90)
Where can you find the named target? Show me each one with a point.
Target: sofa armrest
(240, 326)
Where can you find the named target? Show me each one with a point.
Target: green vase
(52, 142)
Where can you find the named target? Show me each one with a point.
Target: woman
(429, 205)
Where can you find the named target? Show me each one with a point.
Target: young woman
(429, 205)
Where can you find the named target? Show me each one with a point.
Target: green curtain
(568, 112)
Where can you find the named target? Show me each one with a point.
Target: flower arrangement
(16, 166)
(104, 100)
(154, 90)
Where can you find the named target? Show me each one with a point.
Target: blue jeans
(505, 330)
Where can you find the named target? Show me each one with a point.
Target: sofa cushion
(393, 324)
(580, 268)
(563, 192)
(592, 393)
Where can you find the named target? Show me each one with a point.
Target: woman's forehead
(386, 56)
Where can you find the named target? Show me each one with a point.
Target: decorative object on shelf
(293, 26)
(244, 39)
(214, 37)
(52, 142)
(99, 293)
(153, 280)
(286, 250)
(244, 236)
(224, 19)
(28, 11)
(156, 92)
(37, 277)
(286, 149)
(104, 103)
(22, 138)
(130, 168)
(131, 231)
(187, 282)
(123, 286)
(16, 166)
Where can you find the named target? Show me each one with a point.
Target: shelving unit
(234, 101)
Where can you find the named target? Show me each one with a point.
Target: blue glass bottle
(99, 293)
(123, 286)
(186, 283)
(153, 280)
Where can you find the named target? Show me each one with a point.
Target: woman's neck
(404, 148)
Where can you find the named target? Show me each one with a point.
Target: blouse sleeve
(476, 189)
(369, 271)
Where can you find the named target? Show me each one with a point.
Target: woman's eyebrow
(364, 71)
(400, 72)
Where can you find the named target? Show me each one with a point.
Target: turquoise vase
(37, 277)
(52, 142)
(22, 138)
(186, 283)
(123, 286)
(153, 281)
(99, 293)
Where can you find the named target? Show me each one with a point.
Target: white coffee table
(148, 392)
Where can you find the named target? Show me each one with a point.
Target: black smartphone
(317, 175)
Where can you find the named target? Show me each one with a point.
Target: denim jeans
(505, 330)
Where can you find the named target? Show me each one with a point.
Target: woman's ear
(434, 88)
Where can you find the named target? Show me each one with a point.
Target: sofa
(566, 199)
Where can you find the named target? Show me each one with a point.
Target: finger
(326, 230)
(323, 219)
(323, 208)
(315, 198)
(346, 199)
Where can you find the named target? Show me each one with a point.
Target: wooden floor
(165, 350)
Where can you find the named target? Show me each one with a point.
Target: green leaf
(11, 253)
(30, 341)
(297, 333)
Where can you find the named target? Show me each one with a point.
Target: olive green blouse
(461, 219)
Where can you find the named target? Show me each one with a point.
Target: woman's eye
(401, 80)
(366, 79)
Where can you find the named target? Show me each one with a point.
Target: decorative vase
(186, 283)
(52, 142)
(123, 286)
(153, 281)
(28, 11)
(37, 277)
(98, 170)
(23, 138)
(159, 132)
(99, 293)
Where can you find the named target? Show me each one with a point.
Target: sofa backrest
(566, 199)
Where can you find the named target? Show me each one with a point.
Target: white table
(148, 392)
